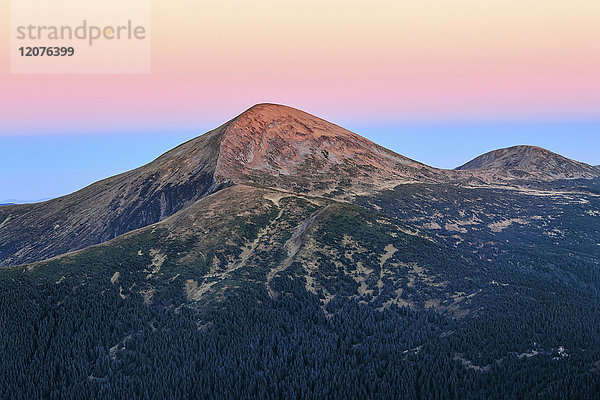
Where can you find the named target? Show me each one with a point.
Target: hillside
(248, 282)
(111, 207)
(271, 145)
(530, 162)
(295, 259)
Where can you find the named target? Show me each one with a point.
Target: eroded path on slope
(292, 247)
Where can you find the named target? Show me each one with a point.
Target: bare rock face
(280, 146)
(530, 162)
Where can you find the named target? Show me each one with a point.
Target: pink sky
(384, 60)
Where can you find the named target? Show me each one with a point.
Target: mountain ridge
(280, 242)
(110, 207)
(267, 145)
(533, 160)
(249, 148)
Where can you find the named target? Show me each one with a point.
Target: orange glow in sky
(379, 60)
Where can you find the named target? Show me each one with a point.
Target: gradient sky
(440, 81)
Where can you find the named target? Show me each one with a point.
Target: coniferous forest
(366, 308)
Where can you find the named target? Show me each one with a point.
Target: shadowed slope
(112, 206)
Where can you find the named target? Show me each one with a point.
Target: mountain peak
(524, 160)
(269, 111)
(262, 118)
(280, 145)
